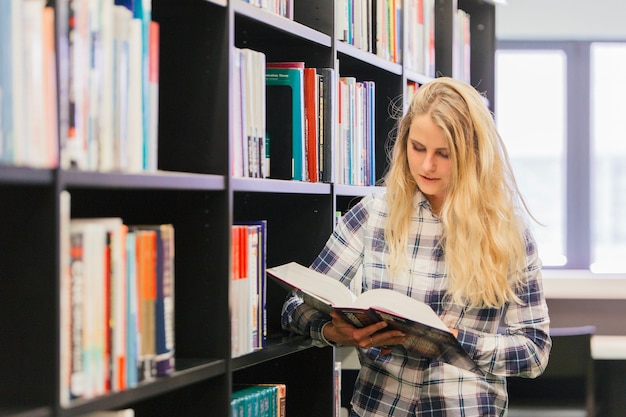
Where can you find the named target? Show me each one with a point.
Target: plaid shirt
(400, 383)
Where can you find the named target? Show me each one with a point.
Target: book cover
(285, 122)
(426, 334)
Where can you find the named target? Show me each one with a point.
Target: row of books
(371, 25)
(285, 119)
(420, 36)
(375, 26)
(263, 400)
(355, 156)
(28, 89)
(461, 48)
(117, 298)
(280, 7)
(410, 90)
(112, 64)
(248, 287)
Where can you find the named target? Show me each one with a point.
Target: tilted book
(426, 334)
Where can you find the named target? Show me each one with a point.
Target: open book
(426, 334)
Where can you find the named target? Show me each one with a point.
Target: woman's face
(429, 159)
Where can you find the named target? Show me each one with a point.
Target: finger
(385, 350)
(338, 317)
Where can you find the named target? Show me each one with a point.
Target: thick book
(285, 122)
(426, 334)
(328, 121)
(311, 126)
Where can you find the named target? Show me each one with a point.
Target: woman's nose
(428, 164)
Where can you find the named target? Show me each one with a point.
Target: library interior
(164, 163)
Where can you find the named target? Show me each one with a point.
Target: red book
(286, 64)
(311, 118)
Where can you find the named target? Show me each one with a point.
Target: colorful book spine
(285, 90)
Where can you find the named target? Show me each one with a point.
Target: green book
(285, 122)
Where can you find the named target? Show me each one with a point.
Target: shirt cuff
(469, 341)
(321, 335)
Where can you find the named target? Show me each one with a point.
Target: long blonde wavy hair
(483, 215)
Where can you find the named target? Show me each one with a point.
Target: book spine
(77, 377)
(165, 304)
(132, 307)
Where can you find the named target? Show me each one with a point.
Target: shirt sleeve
(522, 346)
(340, 259)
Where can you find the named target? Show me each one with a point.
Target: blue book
(6, 82)
(165, 300)
(132, 352)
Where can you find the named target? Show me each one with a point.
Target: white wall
(561, 20)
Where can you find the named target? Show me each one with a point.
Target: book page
(400, 304)
(313, 282)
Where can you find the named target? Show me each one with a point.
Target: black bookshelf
(194, 190)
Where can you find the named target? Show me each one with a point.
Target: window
(534, 132)
(608, 157)
(558, 106)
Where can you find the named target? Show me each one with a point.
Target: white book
(259, 112)
(152, 156)
(106, 120)
(116, 302)
(121, 22)
(238, 108)
(65, 347)
(93, 302)
(49, 94)
(135, 98)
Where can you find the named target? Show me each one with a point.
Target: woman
(451, 231)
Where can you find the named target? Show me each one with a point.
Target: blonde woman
(451, 231)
